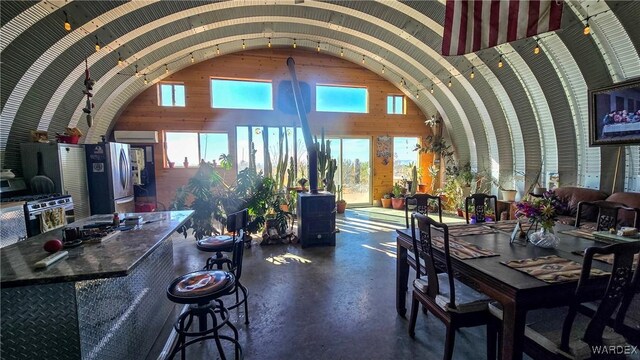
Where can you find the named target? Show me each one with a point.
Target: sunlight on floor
(287, 259)
(386, 252)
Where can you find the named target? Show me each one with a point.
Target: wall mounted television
(614, 114)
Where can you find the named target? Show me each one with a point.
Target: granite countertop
(114, 257)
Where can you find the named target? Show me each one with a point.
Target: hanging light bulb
(294, 44)
(97, 44)
(587, 28)
(473, 74)
(217, 50)
(536, 50)
(318, 48)
(269, 43)
(145, 79)
(341, 52)
(243, 45)
(383, 69)
(431, 88)
(67, 24)
(500, 64)
(166, 69)
(417, 94)
(137, 74)
(119, 59)
(401, 81)
(450, 84)
(363, 59)
(192, 59)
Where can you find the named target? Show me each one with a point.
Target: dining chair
(565, 333)
(608, 214)
(454, 303)
(479, 202)
(419, 203)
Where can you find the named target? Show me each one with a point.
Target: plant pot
(509, 195)
(397, 203)
(539, 190)
(284, 207)
(171, 164)
(460, 212)
(386, 203)
(341, 206)
(422, 188)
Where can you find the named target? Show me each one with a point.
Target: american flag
(471, 25)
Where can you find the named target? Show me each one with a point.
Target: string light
(401, 81)
(137, 74)
(473, 74)
(145, 79)
(318, 48)
(417, 94)
(294, 44)
(363, 59)
(450, 84)
(217, 50)
(500, 64)
(383, 69)
(166, 69)
(341, 52)
(431, 88)
(67, 24)
(243, 45)
(119, 59)
(269, 43)
(192, 59)
(587, 28)
(97, 44)
(536, 50)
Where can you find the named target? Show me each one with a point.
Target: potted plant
(341, 205)
(397, 202)
(186, 162)
(507, 193)
(386, 200)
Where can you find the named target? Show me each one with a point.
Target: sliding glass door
(354, 168)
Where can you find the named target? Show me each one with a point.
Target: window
(194, 147)
(404, 158)
(172, 95)
(237, 94)
(341, 99)
(395, 104)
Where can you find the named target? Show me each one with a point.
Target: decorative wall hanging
(383, 148)
(88, 86)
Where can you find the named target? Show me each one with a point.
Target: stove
(29, 198)
(47, 212)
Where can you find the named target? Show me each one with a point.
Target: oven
(47, 214)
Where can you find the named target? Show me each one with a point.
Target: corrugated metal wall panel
(17, 16)
(632, 169)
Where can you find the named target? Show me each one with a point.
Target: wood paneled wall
(144, 113)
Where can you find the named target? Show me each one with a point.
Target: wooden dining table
(516, 291)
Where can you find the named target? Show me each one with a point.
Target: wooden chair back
(420, 204)
(608, 214)
(479, 202)
(237, 224)
(624, 280)
(421, 226)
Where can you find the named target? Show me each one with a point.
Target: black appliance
(38, 205)
(110, 178)
(317, 224)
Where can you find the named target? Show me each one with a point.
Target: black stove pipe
(306, 132)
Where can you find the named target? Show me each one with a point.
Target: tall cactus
(331, 172)
(281, 167)
(324, 155)
(268, 166)
(252, 156)
(291, 174)
(414, 180)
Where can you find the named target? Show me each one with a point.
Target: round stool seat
(216, 243)
(200, 286)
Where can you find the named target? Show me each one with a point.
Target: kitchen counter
(104, 301)
(116, 256)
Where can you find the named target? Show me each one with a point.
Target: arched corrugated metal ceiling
(529, 114)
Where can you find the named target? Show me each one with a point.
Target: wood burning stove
(316, 219)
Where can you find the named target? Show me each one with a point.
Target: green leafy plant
(397, 190)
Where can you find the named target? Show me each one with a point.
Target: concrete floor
(330, 302)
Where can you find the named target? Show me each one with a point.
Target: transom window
(395, 104)
(171, 94)
(341, 99)
(241, 94)
(194, 146)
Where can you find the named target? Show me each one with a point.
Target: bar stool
(224, 243)
(202, 291)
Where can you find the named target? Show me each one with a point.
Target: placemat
(551, 269)
(462, 249)
(471, 229)
(608, 258)
(509, 225)
(586, 234)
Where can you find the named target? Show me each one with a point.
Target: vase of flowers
(544, 212)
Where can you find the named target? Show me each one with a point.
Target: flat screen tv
(614, 114)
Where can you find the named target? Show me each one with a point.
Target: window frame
(403, 111)
(197, 163)
(173, 93)
(366, 100)
(268, 81)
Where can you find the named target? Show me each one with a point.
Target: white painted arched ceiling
(528, 114)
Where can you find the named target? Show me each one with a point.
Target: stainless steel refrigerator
(110, 178)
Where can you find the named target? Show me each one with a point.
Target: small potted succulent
(386, 200)
(398, 198)
(341, 204)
